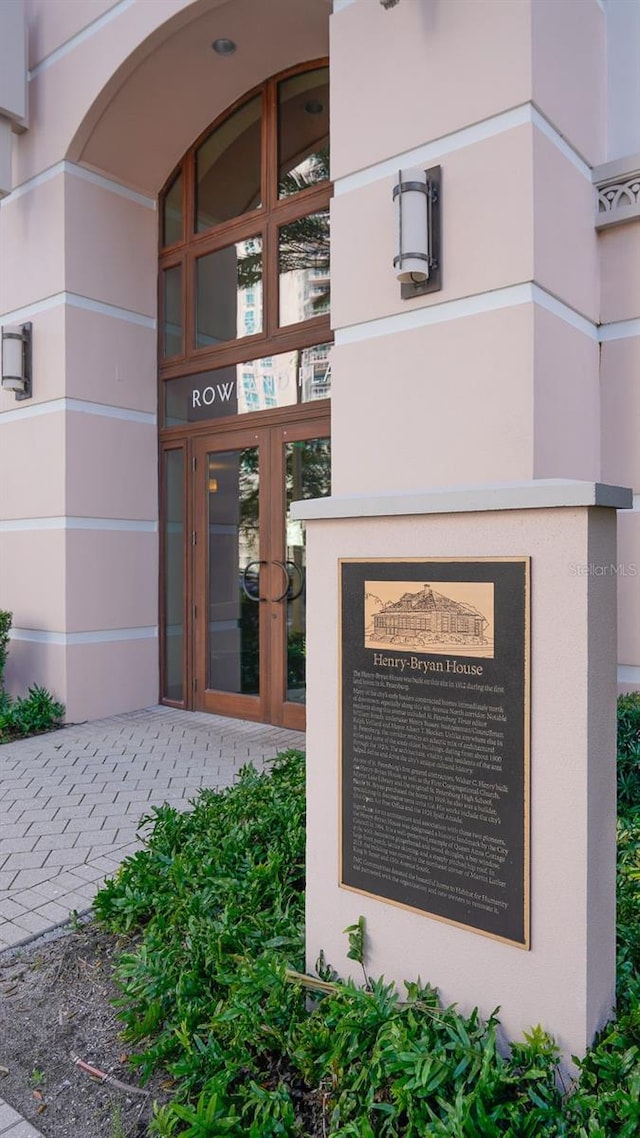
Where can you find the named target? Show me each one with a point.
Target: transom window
(244, 257)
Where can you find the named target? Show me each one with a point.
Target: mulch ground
(56, 1004)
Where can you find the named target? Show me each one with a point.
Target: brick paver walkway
(70, 801)
(13, 1125)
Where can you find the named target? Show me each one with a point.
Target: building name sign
(207, 396)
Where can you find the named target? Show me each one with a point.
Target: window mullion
(270, 145)
(270, 277)
(266, 221)
(189, 180)
(189, 286)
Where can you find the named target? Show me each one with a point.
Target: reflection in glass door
(233, 564)
(307, 466)
(229, 573)
(250, 570)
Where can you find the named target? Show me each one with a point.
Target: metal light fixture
(16, 359)
(417, 198)
(224, 46)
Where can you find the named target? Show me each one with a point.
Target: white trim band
(80, 37)
(74, 300)
(80, 406)
(628, 674)
(619, 330)
(103, 309)
(524, 115)
(564, 312)
(83, 407)
(67, 167)
(115, 525)
(68, 639)
(546, 127)
(510, 297)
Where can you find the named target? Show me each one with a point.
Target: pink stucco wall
(78, 463)
(488, 237)
(422, 397)
(507, 351)
(566, 980)
(403, 72)
(620, 272)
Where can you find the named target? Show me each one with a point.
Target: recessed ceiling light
(314, 107)
(224, 46)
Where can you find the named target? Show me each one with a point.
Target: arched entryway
(113, 114)
(244, 384)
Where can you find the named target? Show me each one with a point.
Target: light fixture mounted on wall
(417, 198)
(16, 359)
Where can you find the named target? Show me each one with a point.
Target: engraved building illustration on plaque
(429, 619)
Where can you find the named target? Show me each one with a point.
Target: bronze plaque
(435, 738)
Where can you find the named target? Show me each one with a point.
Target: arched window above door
(244, 257)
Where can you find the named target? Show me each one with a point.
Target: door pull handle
(248, 595)
(295, 593)
(281, 565)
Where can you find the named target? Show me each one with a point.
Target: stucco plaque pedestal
(558, 967)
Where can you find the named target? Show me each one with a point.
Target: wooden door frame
(227, 703)
(283, 713)
(271, 705)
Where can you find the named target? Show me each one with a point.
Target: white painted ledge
(540, 494)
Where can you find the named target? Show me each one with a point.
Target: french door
(249, 567)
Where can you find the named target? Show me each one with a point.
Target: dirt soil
(55, 1003)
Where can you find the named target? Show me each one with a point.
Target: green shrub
(5, 712)
(629, 752)
(32, 715)
(216, 900)
(628, 722)
(217, 897)
(6, 620)
(628, 891)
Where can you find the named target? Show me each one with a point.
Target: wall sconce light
(417, 198)
(16, 359)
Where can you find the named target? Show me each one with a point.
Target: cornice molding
(617, 192)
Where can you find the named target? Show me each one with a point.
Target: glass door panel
(250, 568)
(173, 610)
(233, 571)
(307, 475)
(229, 573)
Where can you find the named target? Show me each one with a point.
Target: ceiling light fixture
(224, 46)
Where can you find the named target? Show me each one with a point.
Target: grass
(216, 900)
